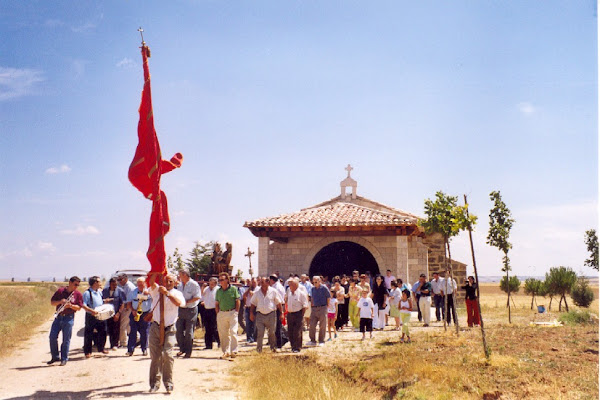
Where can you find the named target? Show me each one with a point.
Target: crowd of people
(283, 308)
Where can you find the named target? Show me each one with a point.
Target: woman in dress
(380, 299)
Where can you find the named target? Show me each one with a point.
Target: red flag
(145, 172)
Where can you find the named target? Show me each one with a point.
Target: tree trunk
(560, 304)
(453, 291)
(486, 349)
(550, 305)
(532, 298)
(566, 305)
(508, 292)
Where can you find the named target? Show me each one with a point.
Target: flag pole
(161, 278)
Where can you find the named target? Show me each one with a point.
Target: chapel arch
(337, 256)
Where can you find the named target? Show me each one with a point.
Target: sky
(269, 101)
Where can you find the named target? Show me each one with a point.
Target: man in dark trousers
(115, 296)
(210, 314)
(95, 330)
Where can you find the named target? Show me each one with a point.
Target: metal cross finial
(349, 168)
(249, 255)
(141, 31)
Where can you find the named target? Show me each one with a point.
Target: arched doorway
(343, 257)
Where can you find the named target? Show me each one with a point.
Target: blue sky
(269, 101)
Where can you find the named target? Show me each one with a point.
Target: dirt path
(25, 375)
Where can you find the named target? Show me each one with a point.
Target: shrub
(514, 284)
(576, 317)
(581, 293)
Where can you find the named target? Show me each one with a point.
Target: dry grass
(23, 308)
(527, 362)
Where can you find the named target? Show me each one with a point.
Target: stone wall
(437, 261)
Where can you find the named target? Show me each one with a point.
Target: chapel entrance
(343, 257)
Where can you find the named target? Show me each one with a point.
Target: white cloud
(526, 108)
(15, 83)
(81, 230)
(46, 246)
(126, 63)
(58, 170)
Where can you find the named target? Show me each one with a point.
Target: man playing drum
(92, 298)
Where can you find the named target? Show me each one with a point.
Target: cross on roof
(349, 168)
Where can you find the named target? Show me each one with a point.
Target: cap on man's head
(273, 277)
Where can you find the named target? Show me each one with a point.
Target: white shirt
(331, 306)
(437, 286)
(266, 303)
(171, 310)
(298, 300)
(449, 286)
(190, 291)
(395, 296)
(366, 307)
(280, 289)
(209, 297)
(388, 281)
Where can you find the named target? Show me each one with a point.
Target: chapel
(346, 233)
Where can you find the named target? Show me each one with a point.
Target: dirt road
(25, 375)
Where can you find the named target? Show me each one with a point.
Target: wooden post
(486, 349)
(162, 314)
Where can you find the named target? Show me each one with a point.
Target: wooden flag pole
(162, 314)
(486, 349)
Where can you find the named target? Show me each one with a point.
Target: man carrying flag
(145, 172)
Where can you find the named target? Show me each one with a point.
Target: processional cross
(249, 255)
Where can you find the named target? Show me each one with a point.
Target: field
(527, 361)
(24, 306)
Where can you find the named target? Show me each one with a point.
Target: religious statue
(220, 260)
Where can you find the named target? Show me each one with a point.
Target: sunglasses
(222, 280)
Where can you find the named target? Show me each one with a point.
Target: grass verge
(23, 308)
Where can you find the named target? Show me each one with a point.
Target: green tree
(560, 281)
(200, 257)
(514, 284)
(581, 293)
(591, 241)
(176, 260)
(446, 217)
(533, 287)
(501, 223)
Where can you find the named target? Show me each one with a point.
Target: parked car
(132, 274)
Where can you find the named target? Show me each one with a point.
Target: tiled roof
(337, 214)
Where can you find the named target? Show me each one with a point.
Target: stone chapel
(346, 233)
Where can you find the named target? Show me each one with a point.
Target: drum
(105, 311)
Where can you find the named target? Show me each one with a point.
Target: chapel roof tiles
(338, 213)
